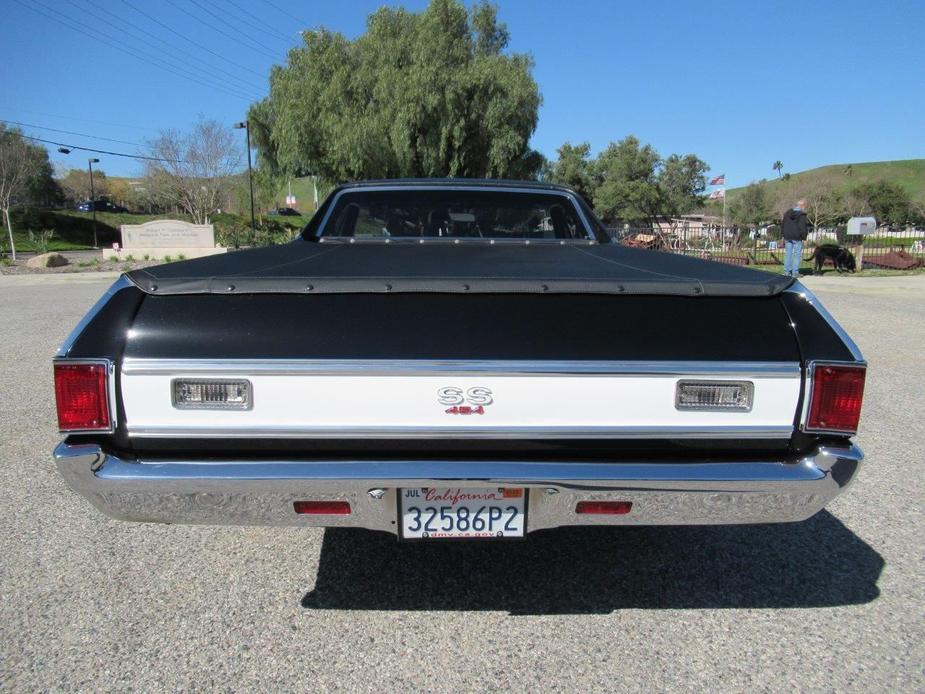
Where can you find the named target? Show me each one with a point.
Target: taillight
(836, 393)
(81, 396)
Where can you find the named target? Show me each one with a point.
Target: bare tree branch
(196, 175)
(20, 163)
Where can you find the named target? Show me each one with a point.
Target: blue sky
(740, 84)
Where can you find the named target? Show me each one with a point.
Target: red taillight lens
(80, 393)
(835, 402)
(604, 508)
(322, 508)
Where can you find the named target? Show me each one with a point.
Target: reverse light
(836, 392)
(322, 508)
(211, 394)
(81, 396)
(604, 508)
(730, 396)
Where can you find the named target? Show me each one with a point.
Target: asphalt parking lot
(833, 603)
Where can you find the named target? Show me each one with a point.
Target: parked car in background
(285, 212)
(100, 206)
(457, 359)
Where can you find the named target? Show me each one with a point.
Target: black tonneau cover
(440, 265)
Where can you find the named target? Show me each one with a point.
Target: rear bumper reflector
(604, 508)
(322, 508)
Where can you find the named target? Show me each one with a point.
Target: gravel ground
(834, 603)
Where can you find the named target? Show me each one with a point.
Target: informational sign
(167, 233)
(162, 239)
(290, 200)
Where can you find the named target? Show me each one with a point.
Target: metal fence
(886, 249)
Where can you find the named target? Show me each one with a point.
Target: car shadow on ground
(816, 563)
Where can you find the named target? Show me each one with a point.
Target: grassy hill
(907, 173)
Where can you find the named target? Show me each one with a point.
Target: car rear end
(432, 415)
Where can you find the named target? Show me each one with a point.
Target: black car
(285, 212)
(445, 359)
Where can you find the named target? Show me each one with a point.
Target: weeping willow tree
(423, 94)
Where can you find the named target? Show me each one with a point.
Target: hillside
(907, 173)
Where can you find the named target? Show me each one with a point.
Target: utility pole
(90, 163)
(250, 177)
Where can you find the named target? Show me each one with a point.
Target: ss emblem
(475, 396)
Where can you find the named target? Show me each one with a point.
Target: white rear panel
(494, 400)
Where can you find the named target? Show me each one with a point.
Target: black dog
(841, 258)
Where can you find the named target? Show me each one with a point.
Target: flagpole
(724, 212)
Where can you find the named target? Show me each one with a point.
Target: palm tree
(778, 167)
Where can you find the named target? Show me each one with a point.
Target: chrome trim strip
(808, 397)
(589, 231)
(247, 492)
(110, 394)
(500, 432)
(121, 283)
(801, 289)
(406, 367)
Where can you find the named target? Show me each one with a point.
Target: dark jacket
(794, 227)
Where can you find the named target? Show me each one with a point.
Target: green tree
(752, 206)
(681, 182)
(628, 187)
(574, 168)
(778, 167)
(887, 201)
(76, 184)
(25, 174)
(419, 94)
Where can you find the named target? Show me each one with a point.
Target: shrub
(40, 240)
(130, 258)
(181, 257)
(168, 259)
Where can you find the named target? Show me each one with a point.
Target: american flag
(718, 194)
(719, 180)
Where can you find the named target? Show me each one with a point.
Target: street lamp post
(250, 176)
(90, 163)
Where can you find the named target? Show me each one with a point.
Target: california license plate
(437, 513)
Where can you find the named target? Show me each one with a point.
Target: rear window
(454, 214)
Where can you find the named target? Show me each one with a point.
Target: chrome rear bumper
(262, 492)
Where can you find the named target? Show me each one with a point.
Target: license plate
(437, 513)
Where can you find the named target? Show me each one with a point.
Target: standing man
(794, 229)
